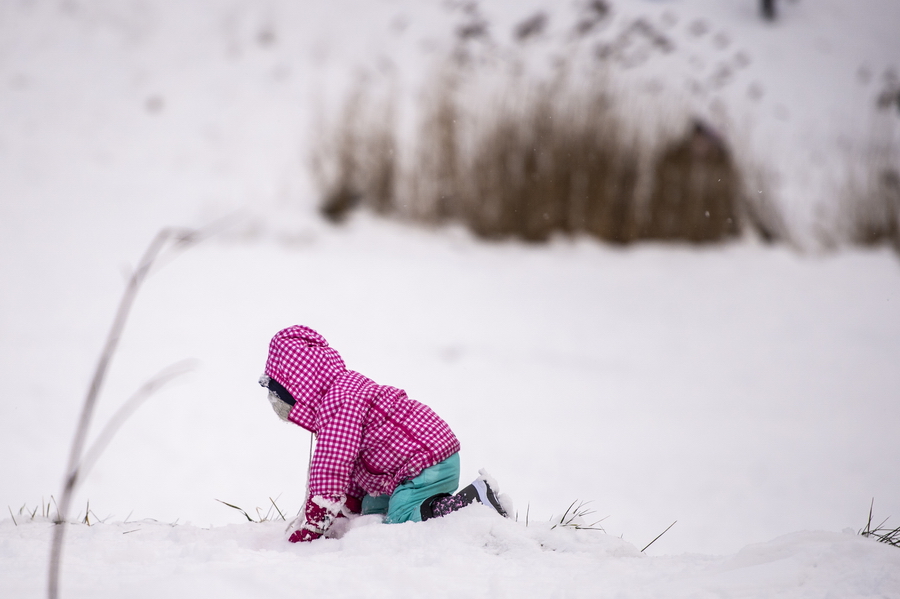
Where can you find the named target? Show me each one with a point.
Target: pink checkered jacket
(370, 437)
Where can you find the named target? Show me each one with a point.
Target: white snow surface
(473, 553)
(748, 392)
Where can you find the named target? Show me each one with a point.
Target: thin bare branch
(167, 237)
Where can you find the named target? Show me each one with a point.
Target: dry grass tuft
(880, 533)
(356, 163)
(696, 190)
(875, 215)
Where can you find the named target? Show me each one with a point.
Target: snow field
(473, 552)
(705, 386)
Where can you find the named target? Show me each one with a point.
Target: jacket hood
(303, 362)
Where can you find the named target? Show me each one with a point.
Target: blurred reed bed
(527, 162)
(516, 156)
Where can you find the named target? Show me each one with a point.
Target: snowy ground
(473, 553)
(746, 392)
(743, 391)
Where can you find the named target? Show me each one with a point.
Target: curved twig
(175, 238)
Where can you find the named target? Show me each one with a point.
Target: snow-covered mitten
(320, 512)
(304, 536)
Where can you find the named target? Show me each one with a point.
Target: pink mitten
(319, 514)
(304, 536)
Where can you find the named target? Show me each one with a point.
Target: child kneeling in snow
(377, 451)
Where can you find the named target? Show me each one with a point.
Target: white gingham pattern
(370, 437)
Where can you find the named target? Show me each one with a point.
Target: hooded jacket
(370, 437)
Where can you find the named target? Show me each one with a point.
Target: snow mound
(472, 553)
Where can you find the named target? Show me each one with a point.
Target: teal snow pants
(404, 504)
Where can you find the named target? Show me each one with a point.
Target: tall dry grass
(356, 162)
(557, 163)
(529, 160)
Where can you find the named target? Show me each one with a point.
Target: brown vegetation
(695, 190)
(539, 161)
(875, 216)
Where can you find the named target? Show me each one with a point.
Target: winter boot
(480, 490)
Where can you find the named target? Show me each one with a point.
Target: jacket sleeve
(340, 425)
